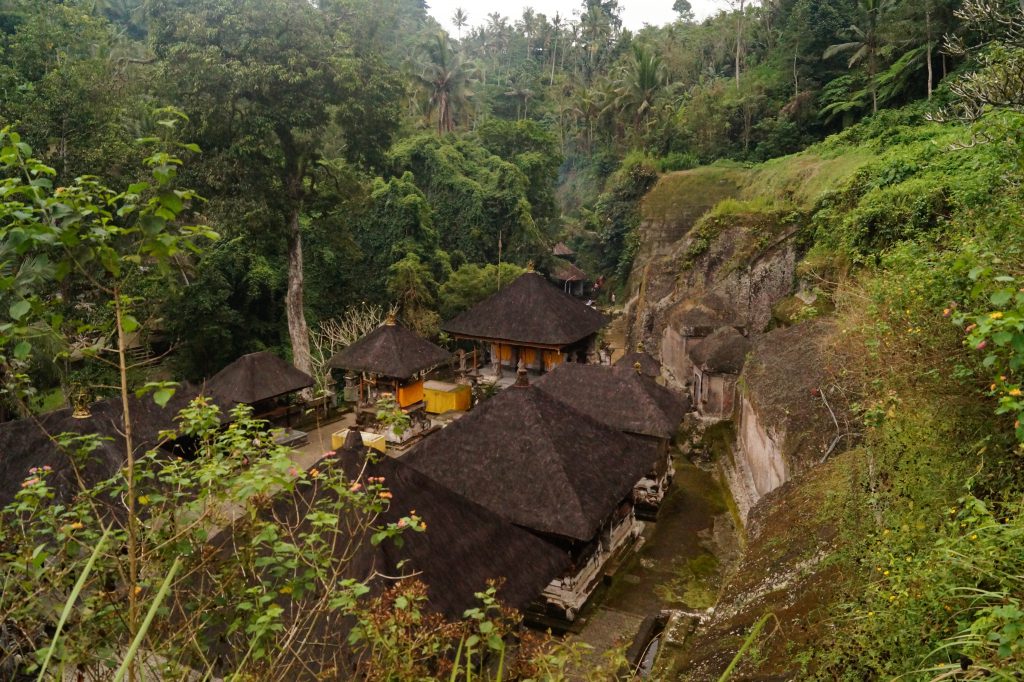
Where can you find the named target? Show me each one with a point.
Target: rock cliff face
(704, 266)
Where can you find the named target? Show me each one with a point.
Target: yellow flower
(1015, 392)
(285, 590)
(76, 525)
(143, 499)
(974, 537)
(885, 572)
(996, 315)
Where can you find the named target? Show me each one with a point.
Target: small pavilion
(549, 468)
(390, 359)
(627, 401)
(262, 380)
(572, 280)
(530, 321)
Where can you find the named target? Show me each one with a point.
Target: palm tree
(460, 19)
(639, 85)
(447, 78)
(867, 44)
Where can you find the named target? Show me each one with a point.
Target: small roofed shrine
(390, 359)
(262, 380)
(28, 444)
(627, 401)
(717, 363)
(561, 250)
(572, 280)
(641, 361)
(551, 469)
(530, 321)
(463, 546)
(688, 323)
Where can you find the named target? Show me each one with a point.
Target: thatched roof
(564, 271)
(561, 250)
(704, 316)
(463, 547)
(535, 461)
(255, 377)
(530, 310)
(28, 443)
(618, 397)
(392, 351)
(724, 352)
(649, 366)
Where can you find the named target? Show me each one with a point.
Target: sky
(635, 13)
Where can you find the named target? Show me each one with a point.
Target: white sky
(635, 13)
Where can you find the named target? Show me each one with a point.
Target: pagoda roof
(564, 271)
(390, 350)
(28, 443)
(255, 377)
(528, 311)
(618, 397)
(536, 461)
(562, 250)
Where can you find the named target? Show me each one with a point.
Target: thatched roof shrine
(390, 350)
(536, 461)
(256, 377)
(649, 366)
(618, 397)
(463, 547)
(564, 271)
(529, 311)
(723, 352)
(562, 250)
(28, 443)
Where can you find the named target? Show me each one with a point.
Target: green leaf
(19, 309)
(161, 396)
(1001, 297)
(129, 323)
(22, 350)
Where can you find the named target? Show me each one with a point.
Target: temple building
(717, 362)
(390, 359)
(549, 468)
(627, 401)
(530, 321)
(462, 548)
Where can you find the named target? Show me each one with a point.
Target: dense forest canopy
(193, 180)
(349, 143)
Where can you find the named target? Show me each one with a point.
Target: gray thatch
(724, 352)
(535, 461)
(256, 377)
(704, 316)
(29, 443)
(649, 366)
(463, 547)
(528, 311)
(562, 251)
(564, 271)
(618, 397)
(392, 351)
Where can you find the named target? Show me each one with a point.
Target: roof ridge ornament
(638, 367)
(530, 266)
(391, 319)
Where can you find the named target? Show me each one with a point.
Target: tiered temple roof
(390, 350)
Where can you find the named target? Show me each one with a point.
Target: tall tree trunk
(928, 30)
(739, 42)
(796, 74)
(554, 60)
(293, 175)
(298, 331)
